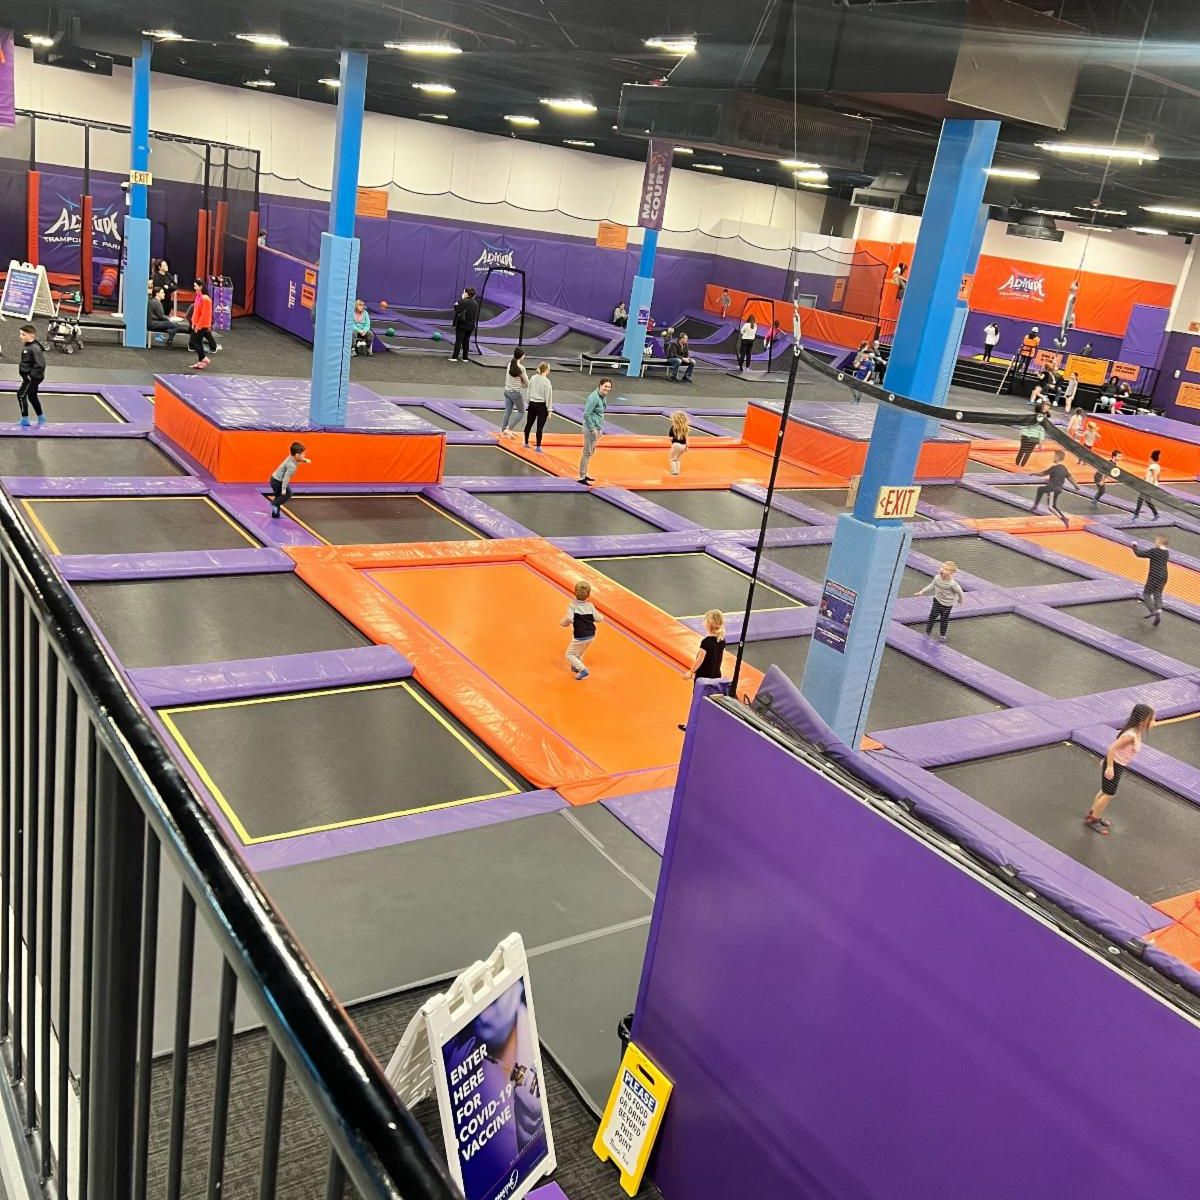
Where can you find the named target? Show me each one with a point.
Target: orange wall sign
(371, 202)
(308, 296)
(1188, 395)
(964, 288)
(1089, 370)
(1126, 371)
(839, 290)
(1047, 358)
(1193, 362)
(610, 236)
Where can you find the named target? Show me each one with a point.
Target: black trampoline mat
(982, 468)
(566, 514)
(907, 691)
(512, 330)
(966, 503)
(135, 525)
(811, 562)
(648, 425)
(366, 520)
(353, 755)
(997, 564)
(85, 408)
(1072, 503)
(71, 456)
(214, 618)
(1047, 791)
(487, 462)
(435, 418)
(1185, 485)
(1183, 541)
(556, 424)
(1179, 739)
(830, 500)
(1176, 636)
(696, 328)
(733, 424)
(688, 585)
(714, 508)
(571, 343)
(1040, 658)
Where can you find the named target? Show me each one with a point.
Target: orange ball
(383, 304)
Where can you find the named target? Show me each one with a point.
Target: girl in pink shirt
(1120, 754)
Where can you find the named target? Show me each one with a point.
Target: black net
(15, 149)
(848, 282)
(175, 200)
(233, 182)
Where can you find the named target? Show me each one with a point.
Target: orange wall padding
(33, 192)
(835, 328)
(217, 246)
(763, 311)
(249, 456)
(817, 324)
(85, 253)
(251, 262)
(1178, 458)
(202, 244)
(869, 289)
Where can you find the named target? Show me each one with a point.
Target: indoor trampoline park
(599, 603)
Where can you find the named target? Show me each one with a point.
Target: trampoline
(566, 514)
(993, 562)
(134, 525)
(1186, 486)
(1180, 739)
(1041, 658)
(1074, 503)
(811, 561)
(571, 345)
(344, 520)
(1178, 637)
(907, 691)
(488, 462)
(1046, 791)
(534, 327)
(733, 424)
(828, 500)
(82, 408)
(1183, 541)
(436, 419)
(71, 456)
(214, 618)
(966, 503)
(649, 425)
(687, 585)
(717, 509)
(697, 328)
(354, 755)
(557, 423)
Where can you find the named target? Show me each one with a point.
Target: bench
(610, 362)
(649, 364)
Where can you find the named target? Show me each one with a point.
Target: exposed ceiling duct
(1037, 227)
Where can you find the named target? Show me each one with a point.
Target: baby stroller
(64, 333)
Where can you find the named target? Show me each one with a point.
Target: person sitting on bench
(620, 316)
(361, 340)
(157, 321)
(678, 355)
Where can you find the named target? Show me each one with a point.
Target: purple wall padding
(277, 293)
(1013, 329)
(1144, 335)
(1176, 351)
(162, 687)
(646, 814)
(171, 564)
(807, 958)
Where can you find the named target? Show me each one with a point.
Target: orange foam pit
(1182, 937)
(1027, 524)
(249, 456)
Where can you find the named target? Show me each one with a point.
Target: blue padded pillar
(640, 297)
(868, 555)
(136, 269)
(337, 279)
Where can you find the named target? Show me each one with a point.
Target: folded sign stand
(476, 1047)
(26, 292)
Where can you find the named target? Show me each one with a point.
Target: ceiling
(515, 52)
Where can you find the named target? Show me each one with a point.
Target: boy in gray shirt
(281, 477)
(947, 592)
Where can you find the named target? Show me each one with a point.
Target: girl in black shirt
(711, 654)
(679, 439)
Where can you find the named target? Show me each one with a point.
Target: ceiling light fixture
(271, 41)
(707, 167)
(1138, 154)
(684, 150)
(330, 82)
(583, 145)
(672, 45)
(816, 187)
(1102, 212)
(811, 176)
(568, 104)
(39, 39)
(163, 35)
(523, 121)
(1053, 212)
(799, 164)
(260, 83)
(429, 49)
(1150, 230)
(436, 89)
(434, 116)
(1013, 173)
(1171, 210)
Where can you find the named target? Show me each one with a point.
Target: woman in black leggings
(539, 403)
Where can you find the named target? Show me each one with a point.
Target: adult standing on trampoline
(540, 404)
(594, 408)
(746, 336)
(1153, 469)
(1159, 558)
(466, 315)
(516, 385)
(1120, 754)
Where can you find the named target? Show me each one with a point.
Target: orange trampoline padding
(1181, 459)
(1117, 560)
(1182, 937)
(821, 450)
(249, 456)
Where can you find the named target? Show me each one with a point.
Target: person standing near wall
(466, 315)
(594, 408)
(200, 319)
(991, 339)
(162, 279)
(900, 280)
(746, 336)
(516, 385)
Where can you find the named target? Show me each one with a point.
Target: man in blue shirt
(594, 408)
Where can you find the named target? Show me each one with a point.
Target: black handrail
(383, 1148)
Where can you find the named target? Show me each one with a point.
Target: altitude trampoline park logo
(495, 258)
(1024, 287)
(64, 229)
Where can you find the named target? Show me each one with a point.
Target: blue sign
(834, 616)
(20, 292)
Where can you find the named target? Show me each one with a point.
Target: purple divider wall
(1053, 595)
(764, 624)
(248, 506)
(473, 437)
(47, 487)
(207, 683)
(879, 969)
(633, 543)
(67, 429)
(1013, 329)
(171, 564)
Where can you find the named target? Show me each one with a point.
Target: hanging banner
(659, 155)
(8, 90)
(610, 236)
(60, 220)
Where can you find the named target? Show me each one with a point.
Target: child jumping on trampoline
(1120, 754)
(281, 477)
(1159, 557)
(679, 439)
(1153, 470)
(582, 618)
(711, 654)
(947, 592)
(1057, 477)
(1091, 435)
(1104, 475)
(32, 369)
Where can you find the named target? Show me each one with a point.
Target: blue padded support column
(868, 555)
(337, 278)
(640, 297)
(137, 227)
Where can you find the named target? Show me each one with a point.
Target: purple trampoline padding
(248, 506)
(152, 485)
(246, 402)
(962, 739)
(939, 529)
(516, 483)
(770, 574)
(450, 410)
(472, 437)
(1086, 591)
(764, 623)
(206, 683)
(911, 610)
(174, 564)
(75, 430)
(640, 505)
(593, 546)
(646, 814)
(413, 827)
(476, 513)
(130, 402)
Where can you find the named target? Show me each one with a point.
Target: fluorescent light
(708, 166)
(1141, 154)
(163, 35)
(434, 116)
(1052, 212)
(270, 40)
(523, 121)
(1102, 212)
(569, 104)
(429, 49)
(436, 89)
(798, 164)
(1013, 173)
(330, 82)
(1171, 210)
(260, 83)
(672, 45)
(583, 145)
(811, 176)
(684, 150)
(39, 39)
(1149, 229)
(813, 187)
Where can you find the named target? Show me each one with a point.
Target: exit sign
(897, 503)
(141, 178)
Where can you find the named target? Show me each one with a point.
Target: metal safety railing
(94, 819)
